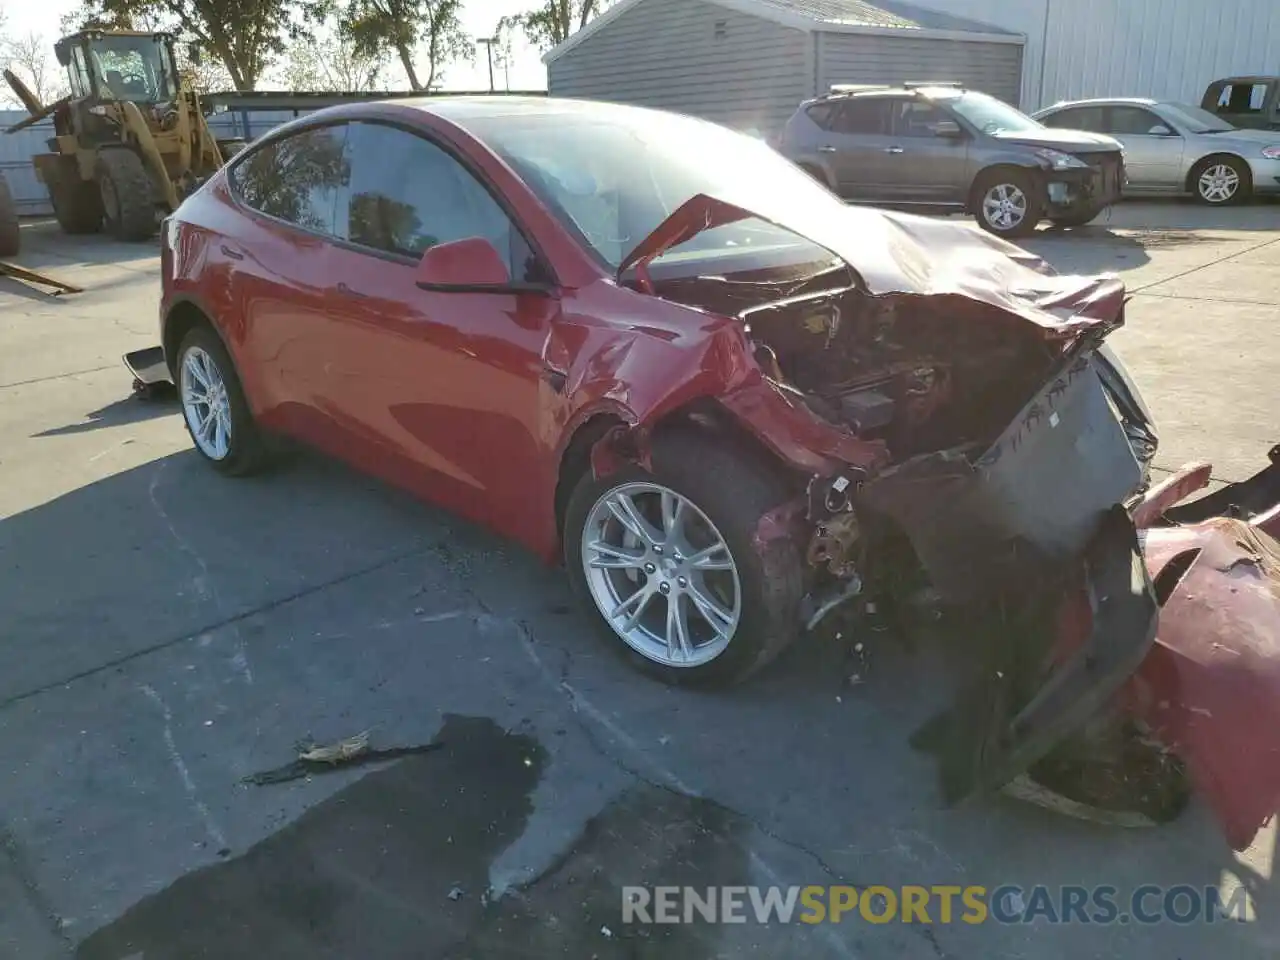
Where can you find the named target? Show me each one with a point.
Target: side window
(916, 118)
(1077, 118)
(80, 85)
(1133, 121)
(299, 179)
(865, 115)
(407, 195)
(822, 114)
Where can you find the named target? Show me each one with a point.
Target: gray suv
(944, 147)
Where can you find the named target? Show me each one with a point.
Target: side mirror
(63, 53)
(948, 130)
(1160, 130)
(472, 265)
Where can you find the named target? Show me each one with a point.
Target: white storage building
(1167, 49)
(749, 63)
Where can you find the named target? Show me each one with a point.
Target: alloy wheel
(205, 403)
(661, 574)
(1219, 183)
(1005, 206)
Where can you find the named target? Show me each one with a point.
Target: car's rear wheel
(1220, 181)
(667, 562)
(214, 407)
(1008, 203)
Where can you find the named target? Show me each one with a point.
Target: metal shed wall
(16, 150)
(994, 68)
(1168, 49)
(692, 57)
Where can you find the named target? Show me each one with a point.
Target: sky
(479, 18)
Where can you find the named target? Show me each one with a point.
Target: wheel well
(1203, 162)
(705, 415)
(815, 171)
(988, 173)
(182, 319)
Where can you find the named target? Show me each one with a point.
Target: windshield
(991, 115)
(132, 68)
(1195, 119)
(614, 174)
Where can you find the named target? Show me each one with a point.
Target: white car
(1175, 148)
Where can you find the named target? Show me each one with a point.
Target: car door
(861, 149)
(440, 392)
(276, 277)
(1153, 149)
(926, 167)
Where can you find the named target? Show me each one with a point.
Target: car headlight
(1059, 160)
(1271, 153)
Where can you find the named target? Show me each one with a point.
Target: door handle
(231, 254)
(826, 148)
(348, 291)
(893, 150)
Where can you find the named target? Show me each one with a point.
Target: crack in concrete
(1204, 266)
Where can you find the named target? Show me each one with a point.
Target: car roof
(461, 109)
(1107, 102)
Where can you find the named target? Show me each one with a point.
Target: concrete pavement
(165, 633)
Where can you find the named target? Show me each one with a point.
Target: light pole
(488, 47)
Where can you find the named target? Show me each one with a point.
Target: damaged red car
(734, 407)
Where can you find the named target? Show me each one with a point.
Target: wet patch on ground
(397, 865)
(368, 872)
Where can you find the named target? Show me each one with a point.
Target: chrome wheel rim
(1005, 206)
(205, 403)
(661, 575)
(1219, 183)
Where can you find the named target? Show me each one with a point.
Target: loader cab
(105, 66)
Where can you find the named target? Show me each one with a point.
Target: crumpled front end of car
(966, 436)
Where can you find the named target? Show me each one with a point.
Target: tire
(1222, 181)
(728, 490)
(246, 448)
(10, 233)
(1076, 218)
(128, 200)
(1015, 184)
(77, 205)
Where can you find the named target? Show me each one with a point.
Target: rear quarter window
(822, 114)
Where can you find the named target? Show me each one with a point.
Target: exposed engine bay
(894, 369)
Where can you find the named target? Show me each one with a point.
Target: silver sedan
(1174, 148)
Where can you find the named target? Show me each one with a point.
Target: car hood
(1068, 141)
(897, 253)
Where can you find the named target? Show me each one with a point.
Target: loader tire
(77, 205)
(10, 238)
(128, 195)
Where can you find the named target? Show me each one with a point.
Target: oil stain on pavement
(396, 866)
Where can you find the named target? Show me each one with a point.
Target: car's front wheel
(1220, 181)
(214, 407)
(668, 563)
(1008, 203)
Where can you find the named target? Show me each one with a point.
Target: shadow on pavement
(119, 413)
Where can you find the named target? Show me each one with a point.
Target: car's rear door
(273, 260)
(925, 167)
(441, 391)
(860, 147)
(1153, 149)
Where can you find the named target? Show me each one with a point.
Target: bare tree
(552, 21)
(332, 63)
(397, 26)
(31, 58)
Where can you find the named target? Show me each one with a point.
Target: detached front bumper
(1099, 185)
